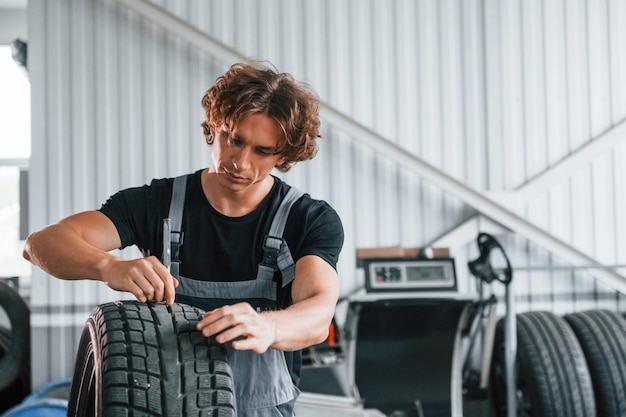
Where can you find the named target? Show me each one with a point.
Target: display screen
(425, 273)
(411, 275)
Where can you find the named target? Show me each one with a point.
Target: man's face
(246, 156)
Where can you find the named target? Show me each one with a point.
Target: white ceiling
(13, 4)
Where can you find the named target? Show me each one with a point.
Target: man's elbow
(34, 244)
(27, 250)
(321, 334)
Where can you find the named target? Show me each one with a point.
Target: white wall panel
(577, 74)
(492, 92)
(617, 56)
(603, 209)
(491, 143)
(619, 156)
(533, 60)
(14, 24)
(556, 84)
(599, 66)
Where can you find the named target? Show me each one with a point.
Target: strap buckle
(271, 249)
(176, 245)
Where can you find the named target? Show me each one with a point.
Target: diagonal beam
(478, 201)
(184, 30)
(582, 156)
(382, 145)
(605, 142)
(466, 232)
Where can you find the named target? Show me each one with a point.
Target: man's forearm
(303, 324)
(60, 252)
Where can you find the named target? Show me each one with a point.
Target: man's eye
(234, 142)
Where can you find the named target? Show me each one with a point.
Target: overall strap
(276, 254)
(177, 205)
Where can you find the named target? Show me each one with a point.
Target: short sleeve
(135, 212)
(324, 233)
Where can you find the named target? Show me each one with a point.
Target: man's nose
(241, 160)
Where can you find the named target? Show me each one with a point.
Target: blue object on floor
(39, 407)
(59, 388)
(50, 400)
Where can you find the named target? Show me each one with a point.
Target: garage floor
(332, 382)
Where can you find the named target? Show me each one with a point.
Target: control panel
(410, 274)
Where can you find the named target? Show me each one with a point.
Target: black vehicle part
(552, 375)
(148, 360)
(602, 335)
(481, 267)
(16, 357)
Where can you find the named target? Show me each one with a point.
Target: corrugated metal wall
(491, 92)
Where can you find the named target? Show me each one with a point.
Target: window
(14, 154)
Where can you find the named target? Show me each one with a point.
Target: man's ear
(280, 162)
(208, 133)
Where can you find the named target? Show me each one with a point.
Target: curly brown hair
(253, 88)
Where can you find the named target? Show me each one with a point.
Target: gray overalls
(263, 384)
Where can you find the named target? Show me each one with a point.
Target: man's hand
(241, 325)
(146, 278)
(305, 323)
(78, 248)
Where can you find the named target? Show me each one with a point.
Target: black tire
(552, 375)
(16, 357)
(602, 335)
(147, 360)
(19, 389)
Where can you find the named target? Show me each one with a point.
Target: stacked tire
(14, 349)
(602, 336)
(566, 366)
(147, 360)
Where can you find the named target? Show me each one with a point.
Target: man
(256, 120)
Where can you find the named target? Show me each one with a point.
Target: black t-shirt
(217, 247)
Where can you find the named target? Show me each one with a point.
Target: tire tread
(155, 363)
(602, 335)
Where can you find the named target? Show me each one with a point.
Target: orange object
(331, 335)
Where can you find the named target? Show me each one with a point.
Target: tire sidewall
(17, 354)
(85, 391)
